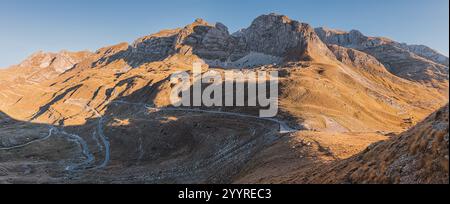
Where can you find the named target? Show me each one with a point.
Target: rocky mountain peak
(200, 21)
(221, 27)
(280, 36)
(270, 20)
(45, 65)
(60, 61)
(356, 33)
(270, 39)
(352, 39)
(37, 59)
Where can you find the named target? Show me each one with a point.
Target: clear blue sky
(27, 26)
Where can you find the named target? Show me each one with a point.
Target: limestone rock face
(209, 42)
(353, 39)
(199, 38)
(356, 58)
(273, 34)
(60, 61)
(408, 65)
(412, 62)
(280, 36)
(426, 52)
(46, 65)
(269, 39)
(157, 46)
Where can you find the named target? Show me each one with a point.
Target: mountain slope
(416, 156)
(114, 103)
(418, 63)
(316, 85)
(419, 155)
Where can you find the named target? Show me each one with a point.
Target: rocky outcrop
(353, 39)
(211, 43)
(408, 65)
(60, 62)
(426, 53)
(357, 58)
(42, 66)
(269, 39)
(157, 46)
(413, 62)
(278, 35)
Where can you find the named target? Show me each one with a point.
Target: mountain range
(105, 116)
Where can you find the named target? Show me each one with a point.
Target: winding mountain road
(84, 148)
(90, 159)
(103, 138)
(50, 132)
(283, 127)
(72, 137)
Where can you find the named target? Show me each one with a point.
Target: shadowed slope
(419, 155)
